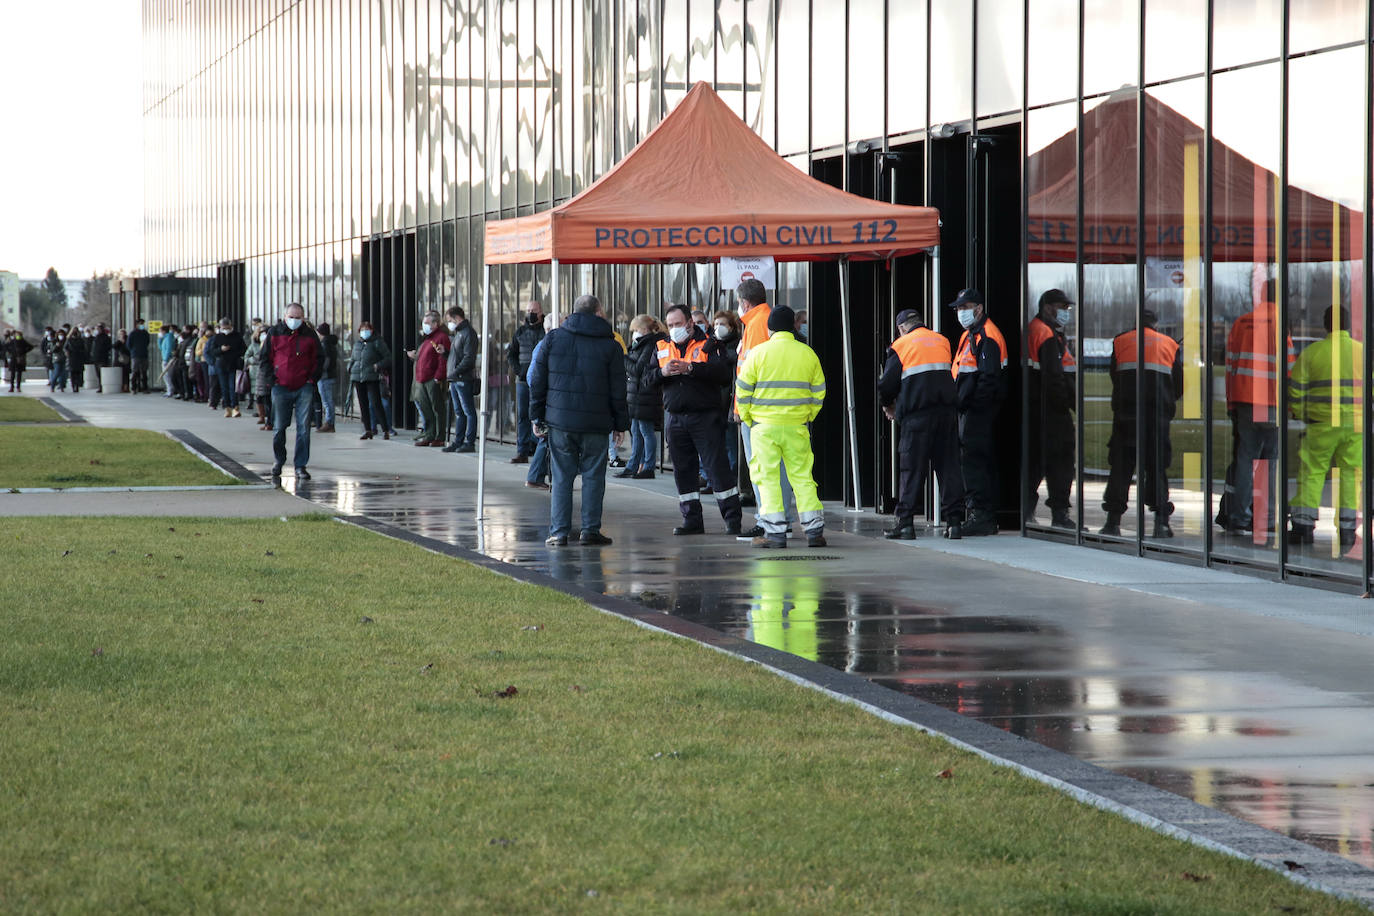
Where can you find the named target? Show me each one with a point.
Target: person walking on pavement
(1252, 396)
(917, 391)
(370, 355)
(754, 313)
(290, 364)
(227, 349)
(780, 389)
(1162, 386)
(519, 354)
(979, 373)
(16, 358)
(1325, 392)
(431, 366)
(689, 369)
(329, 345)
(461, 370)
(77, 354)
(577, 400)
(536, 478)
(1052, 396)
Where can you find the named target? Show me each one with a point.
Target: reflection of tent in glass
(1243, 203)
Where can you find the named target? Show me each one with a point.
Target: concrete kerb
(62, 411)
(1156, 809)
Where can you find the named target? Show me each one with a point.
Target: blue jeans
(285, 402)
(573, 454)
(464, 412)
(539, 462)
(524, 431)
(326, 386)
(643, 444)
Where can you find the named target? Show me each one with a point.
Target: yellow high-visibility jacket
(780, 383)
(1325, 385)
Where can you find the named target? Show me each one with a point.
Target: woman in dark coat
(226, 349)
(727, 331)
(365, 364)
(16, 358)
(77, 355)
(645, 403)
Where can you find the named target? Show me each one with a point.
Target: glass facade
(1195, 176)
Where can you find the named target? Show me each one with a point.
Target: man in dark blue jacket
(577, 399)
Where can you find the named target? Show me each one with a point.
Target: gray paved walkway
(1248, 696)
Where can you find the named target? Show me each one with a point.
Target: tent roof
(1242, 196)
(700, 186)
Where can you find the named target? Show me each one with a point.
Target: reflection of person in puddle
(783, 614)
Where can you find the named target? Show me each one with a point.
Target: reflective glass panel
(1249, 344)
(1325, 299)
(1172, 392)
(1314, 24)
(794, 68)
(906, 66)
(1001, 32)
(1175, 38)
(1051, 240)
(760, 57)
(730, 53)
(1052, 68)
(865, 69)
(1111, 45)
(951, 56)
(1244, 31)
(827, 75)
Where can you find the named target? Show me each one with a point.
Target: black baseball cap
(1054, 297)
(906, 315)
(967, 296)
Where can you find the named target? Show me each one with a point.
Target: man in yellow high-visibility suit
(779, 390)
(1326, 392)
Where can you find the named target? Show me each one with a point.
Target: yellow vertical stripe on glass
(1338, 373)
(1192, 283)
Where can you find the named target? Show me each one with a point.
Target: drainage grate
(778, 557)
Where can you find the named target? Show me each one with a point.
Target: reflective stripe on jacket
(1325, 385)
(916, 375)
(979, 366)
(1163, 382)
(780, 383)
(1251, 364)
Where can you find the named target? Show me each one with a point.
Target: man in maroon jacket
(291, 360)
(431, 369)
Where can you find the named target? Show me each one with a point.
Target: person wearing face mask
(779, 391)
(1051, 395)
(17, 358)
(801, 327)
(290, 363)
(700, 323)
(251, 354)
(463, 387)
(980, 384)
(166, 349)
(644, 400)
(227, 350)
(329, 343)
(139, 342)
(1162, 388)
(726, 331)
(519, 354)
(77, 355)
(754, 314)
(431, 368)
(369, 358)
(689, 368)
(45, 348)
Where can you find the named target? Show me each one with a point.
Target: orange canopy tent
(699, 187)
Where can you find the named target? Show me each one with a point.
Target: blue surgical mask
(802, 329)
(294, 323)
(365, 335)
(966, 317)
(1063, 317)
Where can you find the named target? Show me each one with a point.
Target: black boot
(1162, 529)
(1113, 526)
(1301, 534)
(902, 530)
(979, 524)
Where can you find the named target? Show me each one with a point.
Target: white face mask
(452, 326)
(743, 309)
(1063, 317)
(702, 325)
(966, 317)
(294, 323)
(426, 327)
(722, 331)
(636, 337)
(678, 334)
(365, 334)
(263, 337)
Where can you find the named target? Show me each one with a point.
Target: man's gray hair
(752, 291)
(587, 305)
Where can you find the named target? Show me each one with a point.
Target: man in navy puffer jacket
(577, 399)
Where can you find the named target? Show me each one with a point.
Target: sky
(71, 174)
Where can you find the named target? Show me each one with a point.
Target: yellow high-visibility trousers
(789, 446)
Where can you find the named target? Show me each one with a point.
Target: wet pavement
(1249, 696)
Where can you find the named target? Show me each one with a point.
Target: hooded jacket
(290, 358)
(577, 381)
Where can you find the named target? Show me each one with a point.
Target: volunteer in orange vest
(979, 373)
(1051, 396)
(1253, 375)
(754, 311)
(690, 369)
(1162, 386)
(917, 390)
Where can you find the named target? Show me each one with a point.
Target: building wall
(1202, 148)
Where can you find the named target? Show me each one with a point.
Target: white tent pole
(553, 292)
(482, 397)
(934, 512)
(849, 382)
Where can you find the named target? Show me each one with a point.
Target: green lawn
(88, 456)
(27, 410)
(279, 716)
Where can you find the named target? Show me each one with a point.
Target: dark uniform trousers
(978, 450)
(693, 439)
(1156, 455)
(1050, 458)
(929, 438)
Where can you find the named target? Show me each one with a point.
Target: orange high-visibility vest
(755, 331)
(1160, 352)
(695, 352)
(967, 359)
(922, 350)
(1037, 332)
(1252, 366)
